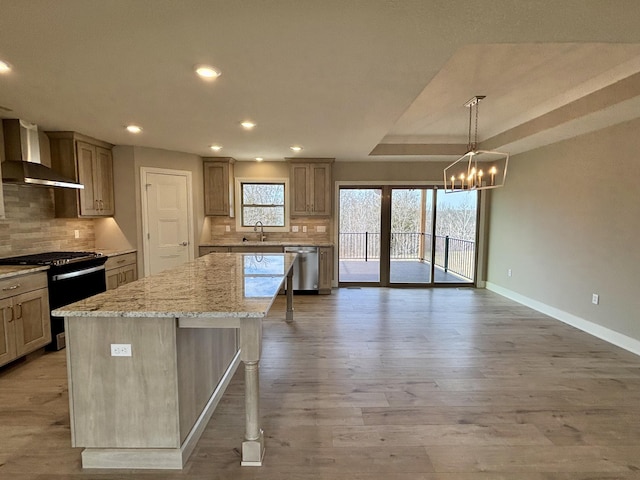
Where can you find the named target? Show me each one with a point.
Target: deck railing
(452, 254)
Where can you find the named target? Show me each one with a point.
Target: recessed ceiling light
(134, 129)
(247, 125)
(296, 148)
(4, 67)
(216, 148)
(207, 72)
(259, 159)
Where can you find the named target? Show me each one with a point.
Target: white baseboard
(603, 333)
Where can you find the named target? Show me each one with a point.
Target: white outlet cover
(227, 228)
(321, 229)
(120, 349)
(294, 229)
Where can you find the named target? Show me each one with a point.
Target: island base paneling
(144, 410)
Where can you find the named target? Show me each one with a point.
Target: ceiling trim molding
(420, 149)
(613, 94)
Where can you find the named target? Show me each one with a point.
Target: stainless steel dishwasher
(305, 268)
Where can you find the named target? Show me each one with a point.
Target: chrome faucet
(261, 235)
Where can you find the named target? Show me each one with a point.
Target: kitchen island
(148, 362)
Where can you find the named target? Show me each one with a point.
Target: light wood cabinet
(310, 187)
(25, 324)
(120, 270)
(325, 270)
(218, 186)
(90, 162)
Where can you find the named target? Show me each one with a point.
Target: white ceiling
(350, 79)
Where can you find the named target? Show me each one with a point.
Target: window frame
(239, 181)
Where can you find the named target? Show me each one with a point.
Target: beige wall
(567, 223)
(396, 171)
(127, 162)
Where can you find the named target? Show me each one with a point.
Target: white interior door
(167, 232)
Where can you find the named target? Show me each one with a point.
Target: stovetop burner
(50, 258)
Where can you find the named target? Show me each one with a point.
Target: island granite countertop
(216, 285)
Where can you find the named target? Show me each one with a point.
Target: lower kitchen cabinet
(325, 270)
(120, 270)
(24, 308)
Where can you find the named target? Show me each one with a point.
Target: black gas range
(72, 276)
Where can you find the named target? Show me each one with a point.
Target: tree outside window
(263, 202)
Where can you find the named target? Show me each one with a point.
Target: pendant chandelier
(476, 169)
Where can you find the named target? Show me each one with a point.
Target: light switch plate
(76, 233)
(321, 229)
(304, 229)
(120, 349)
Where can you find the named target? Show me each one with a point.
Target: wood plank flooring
(368, 384)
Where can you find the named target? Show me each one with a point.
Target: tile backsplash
(219, 234)
(30, 225)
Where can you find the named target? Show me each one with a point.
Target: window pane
(262, 194)
(269, 216)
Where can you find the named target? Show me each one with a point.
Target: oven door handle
(77, 273)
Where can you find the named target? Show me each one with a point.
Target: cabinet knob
(183, 244)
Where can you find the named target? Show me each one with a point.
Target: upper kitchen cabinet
(90, 162)
(310, 186)
(218, 186)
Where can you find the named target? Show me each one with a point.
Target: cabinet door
(320, 189)
(300, 189)
(86, 156)
(112, 277)
(128, 274)
(103, 183)
(216, 188)
(32, 323)
(326, 270)
(7, 335)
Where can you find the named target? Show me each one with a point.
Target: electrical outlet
(120, 349)
(304, 229)
(294, 229)
(76, 233)
(227, 228)
(321, 229)
(595, 299)
(509, 273)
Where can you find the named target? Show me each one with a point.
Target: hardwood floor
(371, 384)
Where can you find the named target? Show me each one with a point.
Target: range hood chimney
(22, 158)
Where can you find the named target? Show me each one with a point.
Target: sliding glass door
(406, 236)
(359, 235)
(410, 239)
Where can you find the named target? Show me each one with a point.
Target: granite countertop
(222, 285)
(267, 243)
(8, 271)
(114, 253)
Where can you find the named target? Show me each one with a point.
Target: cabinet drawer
(120, 261)
(21, 284)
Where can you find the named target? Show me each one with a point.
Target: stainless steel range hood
(22, 158)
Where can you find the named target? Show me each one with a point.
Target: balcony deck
(402, 271)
